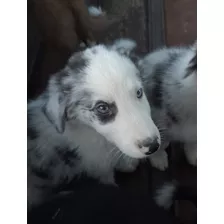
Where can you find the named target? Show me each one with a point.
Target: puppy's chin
(134, 153)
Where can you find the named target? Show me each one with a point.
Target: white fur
(124, 45)
(118, 82)
(109, 76)
(164, 195)
(182, 100)
(180, 94)
(160, 158)
(94, 11)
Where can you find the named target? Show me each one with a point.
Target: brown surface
(132, 21)
(181, 21)
(64, 23)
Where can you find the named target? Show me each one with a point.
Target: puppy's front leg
(159, 159)
(108, 178)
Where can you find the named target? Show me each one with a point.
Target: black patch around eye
(109, 117)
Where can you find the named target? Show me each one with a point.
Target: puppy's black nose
(153, 147)
(145, 143)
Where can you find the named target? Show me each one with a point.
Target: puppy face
(107, 94)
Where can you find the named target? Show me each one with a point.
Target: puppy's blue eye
(103, 108)
(140, 93)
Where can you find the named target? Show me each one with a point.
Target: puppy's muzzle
(149, 146)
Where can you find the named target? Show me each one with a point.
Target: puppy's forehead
(110, 71)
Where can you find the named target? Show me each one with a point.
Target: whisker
(116, 155)
(119, 157)
(112, 150)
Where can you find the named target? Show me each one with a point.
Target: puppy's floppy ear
(54, 109)
(124, 46)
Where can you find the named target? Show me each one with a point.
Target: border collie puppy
(93, 117)
(170, 80)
